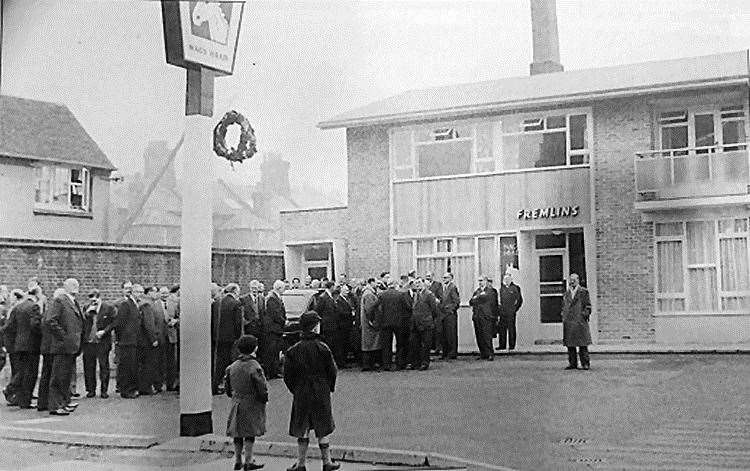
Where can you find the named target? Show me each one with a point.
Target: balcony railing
(716, 170)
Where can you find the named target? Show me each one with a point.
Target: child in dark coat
(246, 385)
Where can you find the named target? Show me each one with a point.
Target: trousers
(222, 360)
(448, 326)
(420, 342)
(483, 330)
(43, 394)
(28, 371)
(583, 353)
(96, 354)
(507, 331)
(59, 385)
(127, 369)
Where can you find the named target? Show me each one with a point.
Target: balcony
(703, 173)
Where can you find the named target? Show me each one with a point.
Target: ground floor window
(702, 266)
(466, 258)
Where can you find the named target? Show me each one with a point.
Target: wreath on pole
(245, 148)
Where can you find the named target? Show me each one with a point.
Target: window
(63, 189)
(510, 142)
(702, 266)
(545, 141)
(702, 130)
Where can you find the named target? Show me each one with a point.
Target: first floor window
(63, 188)
(702, 266)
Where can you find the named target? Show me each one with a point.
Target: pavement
(630, 411)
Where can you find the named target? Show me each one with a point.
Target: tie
(165, 306)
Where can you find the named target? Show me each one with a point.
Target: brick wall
(106, 266)
(369, 214)
(624, 242)
(315, 224)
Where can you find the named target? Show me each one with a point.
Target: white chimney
(545, 38)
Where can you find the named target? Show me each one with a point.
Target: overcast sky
(302, 62)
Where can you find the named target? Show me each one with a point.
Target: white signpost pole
(195, 276)
(202, 38)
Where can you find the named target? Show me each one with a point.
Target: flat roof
(542, 89)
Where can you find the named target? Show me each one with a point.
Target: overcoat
(484, 304)
(395, 308)
(149, 329)
(105, 317)
(127, 324)
(326, 309)
(510, 300)
(424, 310)
(246, 385)
(66, 326)
(576, 311)
(450, 301)
(369, 307)
(24, 323)
(274, 318)
(310, 375)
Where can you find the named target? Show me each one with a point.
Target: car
(296, 302)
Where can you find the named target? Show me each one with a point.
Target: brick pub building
(635, 176)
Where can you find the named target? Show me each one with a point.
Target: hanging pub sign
(202, 34)
(549, 213)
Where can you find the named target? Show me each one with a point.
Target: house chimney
(545, 38)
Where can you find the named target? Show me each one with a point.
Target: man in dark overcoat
(253, 310)
(228, 331)
(576, 312)
(436, 288)
(447, 321)
(95, 350)
(424, 312)
(273, 328)
(66, 326)
(310, 375)
(510, 302)
(148, 340)
(24, 326)
(484, 316)
(325, 306)
(395, 315)
(344, 324)
(42, 403)
(127, 327)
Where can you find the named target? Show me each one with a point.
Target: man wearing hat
(95, 349)
(310, 375)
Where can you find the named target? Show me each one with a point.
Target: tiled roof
(569, 86)
(39, 130)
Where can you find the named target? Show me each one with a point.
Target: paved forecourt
(520, 411)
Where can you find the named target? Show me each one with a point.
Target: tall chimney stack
(545, 37)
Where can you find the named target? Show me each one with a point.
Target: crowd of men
(360, 320)
(143, 326)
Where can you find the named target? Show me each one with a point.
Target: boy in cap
(310, 375)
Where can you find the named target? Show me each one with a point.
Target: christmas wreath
(246, 147)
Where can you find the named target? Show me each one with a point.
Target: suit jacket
(436, 288)
(24, 327)
(424, 310)
(450, 300)
(395, 307)
(326, 309)
(149, 332)
(127, 323)
(275, 318)
(576, 311)
(510, 299)
(105, 317)
(66, 326)
(172, 312)
(484, 304)
(229, 323)
(160, 322)
(252, 313)
(345, 312)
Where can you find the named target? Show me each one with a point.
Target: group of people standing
(142, 326)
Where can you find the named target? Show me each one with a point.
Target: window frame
(717, 110)
(716, 265)
(84, 187)
(407, 169)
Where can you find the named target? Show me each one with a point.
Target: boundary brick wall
(625, 244)
(106, 266)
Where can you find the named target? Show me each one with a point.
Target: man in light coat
(576, 312)
(371, 342)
